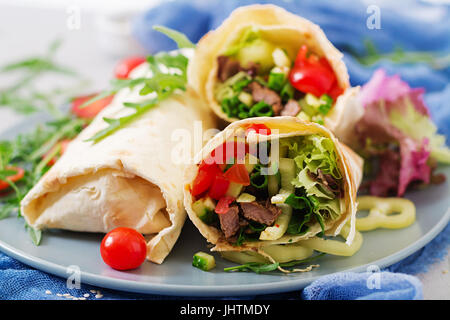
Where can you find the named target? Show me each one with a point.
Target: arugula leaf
(399, 56)
(35, 235)
(26, 151)
(115, 124)
(297, 262)
(168, 75)
(181, 39)
(259, 267)
(21, 95)
(116, 85)
(256, 267)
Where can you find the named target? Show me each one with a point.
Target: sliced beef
(292, 108)
(327, 181)
(252, 69)
(230, 222)
(262, 212)
(261, 93)
(227, 67)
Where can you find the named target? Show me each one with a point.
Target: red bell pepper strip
(13, 178)
(223, 205)
(205, 177)
(238, 173)
(219, 187)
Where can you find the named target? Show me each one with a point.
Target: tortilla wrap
(128, 179)
(349, 164)
(282, 28)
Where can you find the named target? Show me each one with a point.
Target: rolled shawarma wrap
(265, 61)
(128, 179)
(272, 181)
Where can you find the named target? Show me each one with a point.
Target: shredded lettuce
(313, 153)
(312, 187)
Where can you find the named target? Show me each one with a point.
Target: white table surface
(27, 31)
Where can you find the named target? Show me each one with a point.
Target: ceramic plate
(176, 276)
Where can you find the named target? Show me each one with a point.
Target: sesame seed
(66, 294)
(48, 292)
(93, 291)
(86, 295)
(81, 298)
(59, 294)
(98, 296)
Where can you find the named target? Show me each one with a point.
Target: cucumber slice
(203, 261)
(304, 116)
(287, 172)
(246, 98)
(258, 51)
(234, 189)
(272, 185)
(280, 226)
(204, 208)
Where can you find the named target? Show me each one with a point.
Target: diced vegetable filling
(257, 78)
(249, 202)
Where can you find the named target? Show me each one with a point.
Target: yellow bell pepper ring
(389, 213)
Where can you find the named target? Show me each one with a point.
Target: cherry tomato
(123, 249)
(125, 66)
(91, 110)
(312, 74)
(224, 204)
(238, 173)
(63, 144)
(205, 177)
(259, 128)
(219, 187)
(13, 178)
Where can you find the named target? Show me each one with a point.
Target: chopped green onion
(287, 92)
(276, 81)
(261, 109)
(258, 180)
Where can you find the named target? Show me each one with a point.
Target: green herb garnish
(27, 152)
(168, 75)
(181, 39)
(259, 267)
(23, 96)
(399, 56)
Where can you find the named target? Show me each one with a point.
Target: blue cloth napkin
(422, 27)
